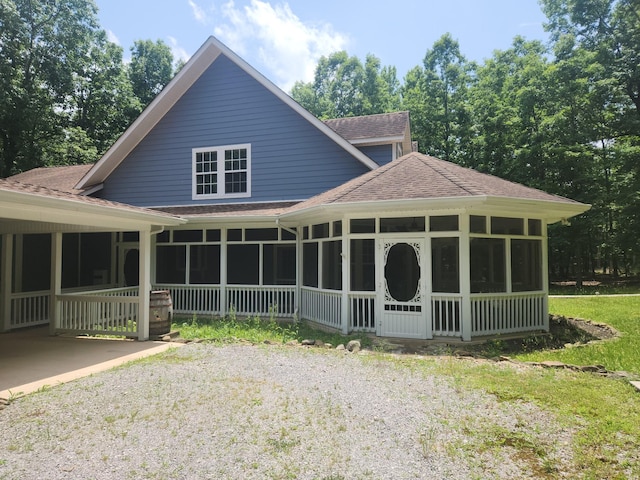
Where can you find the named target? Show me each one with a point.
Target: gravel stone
(252, 412)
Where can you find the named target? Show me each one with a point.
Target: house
(230, 195)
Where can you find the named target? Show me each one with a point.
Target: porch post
(465, 277)
(223, 271)
(5, 281)
(344, 314)
(144, 286)
(56, 282)
(545, 275)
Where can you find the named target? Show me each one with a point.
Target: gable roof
(61, 178)
(175, 89)
(416, 177)
(367, 128)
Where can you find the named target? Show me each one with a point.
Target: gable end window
(222, 172)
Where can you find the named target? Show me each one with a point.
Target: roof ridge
(442, 167)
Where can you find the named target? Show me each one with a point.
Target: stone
(319, 343)
(553, 364)
(353, 346)
(340, 347)
(308, 342)
(636, 385)
(590, 368)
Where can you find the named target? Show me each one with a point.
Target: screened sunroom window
(445, 270)
(526, 265)
(171, 264)
(487, 265)
(220, 172)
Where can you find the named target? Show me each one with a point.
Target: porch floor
(31, 358)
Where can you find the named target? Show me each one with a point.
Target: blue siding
(290, 158)
(381, 154)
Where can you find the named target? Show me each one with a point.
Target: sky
(284, 39)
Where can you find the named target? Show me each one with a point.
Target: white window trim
(220, 172)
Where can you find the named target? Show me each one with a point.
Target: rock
(553, 364)
(181, 340)
(340, 347)
(328, 345)
(293, 343)
(591, 368)
(166, 338)
(463, 353)
(636, 385)
(308, 342)
(353, 346)
(319, 343)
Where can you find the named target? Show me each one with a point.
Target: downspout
(290, 230)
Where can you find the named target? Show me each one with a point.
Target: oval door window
(402, 272)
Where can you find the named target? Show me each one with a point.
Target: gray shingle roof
(370, 126)
(63, 178)
(419, 176)
(11, 185)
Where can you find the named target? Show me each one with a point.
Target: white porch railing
(502, 313)
(264, 300)
(199, 299)
(112, 312)
(244, 299)
(321, 306)
(445, 315)
(362, 312)
(29, 309)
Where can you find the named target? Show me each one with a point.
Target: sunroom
(422, 249)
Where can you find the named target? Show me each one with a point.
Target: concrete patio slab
(31, 359)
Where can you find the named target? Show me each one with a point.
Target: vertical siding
(291, 159)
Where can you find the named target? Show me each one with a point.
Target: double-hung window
(222, 172)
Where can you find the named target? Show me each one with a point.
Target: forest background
(562, 116)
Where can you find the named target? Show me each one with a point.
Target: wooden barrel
(160, 312)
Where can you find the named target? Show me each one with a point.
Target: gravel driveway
(243, 412)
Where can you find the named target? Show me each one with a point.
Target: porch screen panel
(445, 268)
(310, 264)
(279, 264)
(488, 265)
(171, 262)
(243, 264)
(204, 264)
(332, 265)
(35, 262)
(526, 265)
(363, 265)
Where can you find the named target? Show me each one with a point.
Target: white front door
(402, 289)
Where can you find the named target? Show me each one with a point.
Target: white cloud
(288, 48)
(178, 52)
(198, 12)
(113, 38)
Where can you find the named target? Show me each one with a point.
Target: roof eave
(551, 211)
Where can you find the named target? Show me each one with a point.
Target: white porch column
(465, 277)
(5, 281)
(144, 286)
(545, 274)
(56, 281)
(223, 271)
(344, 313)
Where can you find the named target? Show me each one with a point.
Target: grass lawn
(621, 313)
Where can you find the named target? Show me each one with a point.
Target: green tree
(437, 97)
(344, 87)
(43, 44)
(151, 68)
